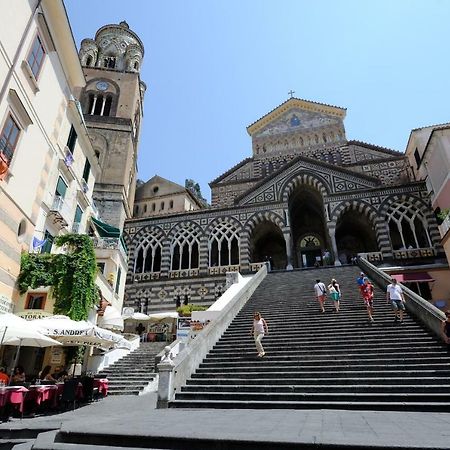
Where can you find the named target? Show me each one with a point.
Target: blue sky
(214, 67)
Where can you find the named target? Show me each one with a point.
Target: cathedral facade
(307, 196)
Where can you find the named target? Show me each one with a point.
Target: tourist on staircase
(394, 294)
(321, 293)
(367, 293)
(335, 293)
(360, 281)
(258, 330)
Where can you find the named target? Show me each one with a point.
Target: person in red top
(367, 294)
(3, 376)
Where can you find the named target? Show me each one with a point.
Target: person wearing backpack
(321, 293)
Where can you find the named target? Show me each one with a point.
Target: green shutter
(61, 188)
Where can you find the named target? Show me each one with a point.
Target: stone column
(287, 239)
(332, 233)
(165, 380)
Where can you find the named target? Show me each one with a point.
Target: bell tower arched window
(99, 104)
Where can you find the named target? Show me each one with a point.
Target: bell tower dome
(112, 103)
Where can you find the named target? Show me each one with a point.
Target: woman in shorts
(335, 293)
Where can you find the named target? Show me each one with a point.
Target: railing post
(165, 380)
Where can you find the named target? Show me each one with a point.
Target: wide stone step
(362, 406)
(269, 365)
(330, 381)
(296, 373)
(386, 397)
(311, 388)
(438, 352)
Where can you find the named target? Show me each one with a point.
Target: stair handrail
(173, 373)
(430, 316)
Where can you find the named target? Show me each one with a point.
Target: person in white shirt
(394, 294)
(321, 292)
(258, 330)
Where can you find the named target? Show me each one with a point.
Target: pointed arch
(224, 242)
(185, 240)
(304, 178)
(410, 222)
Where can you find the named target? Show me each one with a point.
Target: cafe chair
(69, 394)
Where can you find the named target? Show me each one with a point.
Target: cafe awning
(413, 277)
(107, 231)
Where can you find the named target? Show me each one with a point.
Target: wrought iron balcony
(59, 212)
(109, 243)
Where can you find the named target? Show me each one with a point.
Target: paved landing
(135, 416)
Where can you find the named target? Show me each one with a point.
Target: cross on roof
(291, 93)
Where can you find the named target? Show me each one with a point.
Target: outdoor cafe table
(14, 395)
(40, 393)
(102, 385)
(79, 393)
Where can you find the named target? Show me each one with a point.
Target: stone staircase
(321, 361)
(132, 373)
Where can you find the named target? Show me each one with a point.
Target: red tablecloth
(40, 393)
(102, 385)
(79, 394)
(15, 395)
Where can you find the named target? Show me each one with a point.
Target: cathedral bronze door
(309, 251)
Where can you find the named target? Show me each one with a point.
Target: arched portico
(267, 241)
(308, 225)
(354, 234)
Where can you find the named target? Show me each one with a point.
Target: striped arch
(147, 253)
(223, 219)
(417, 208)
(264, 216)
(249, 241)
(304, 178)
(369, 212)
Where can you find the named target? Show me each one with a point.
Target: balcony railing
(184, 273)
(414, 253)
(372, 256)
(146, 276)
(108, 243)
(59, 211)
(222, 270)
(254, 267)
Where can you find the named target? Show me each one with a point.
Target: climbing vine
(71, 275)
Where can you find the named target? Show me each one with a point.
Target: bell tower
(112, 104)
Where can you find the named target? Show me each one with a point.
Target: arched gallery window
(184, 249)
(407, 227)
(223, 246)
(99, 104)
(148, 255)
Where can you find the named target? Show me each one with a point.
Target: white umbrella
(136, 316)
(163, 315)
(17, 331)
(111, 319)
(78, 332)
